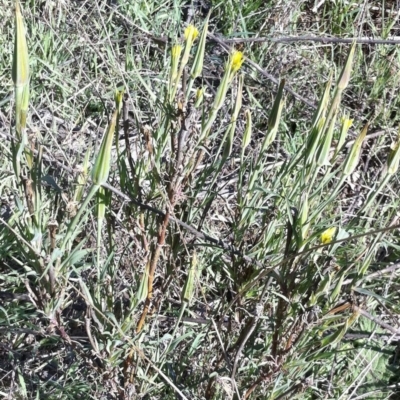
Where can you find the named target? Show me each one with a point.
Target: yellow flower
(327, 236)
(191, 33)
(176, 51)
(346, 123)
(236, 60)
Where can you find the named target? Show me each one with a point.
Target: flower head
(236, 61)
(191, 33)
(327, 236)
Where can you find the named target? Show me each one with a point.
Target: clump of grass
(197, 259)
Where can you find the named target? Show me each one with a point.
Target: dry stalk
(173, 189)
(154, 260)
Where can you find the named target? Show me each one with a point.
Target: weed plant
(173, 226)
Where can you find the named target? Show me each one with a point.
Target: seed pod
(142, 292)
(175, 55)
(118, 95)
(199, 97)
(82, 177)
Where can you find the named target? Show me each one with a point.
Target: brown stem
(156, 255)
(253, 387)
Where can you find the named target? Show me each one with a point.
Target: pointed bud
(248, 130)
(102, 165)
(354, 155)
(188, 289)
(345, 76)
(394, 157)
(199, 57)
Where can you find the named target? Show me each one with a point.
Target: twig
(379, 273)
(224, 42)
(89, 334)
(372, 135)
(318, 39)
(249, 329)
(187, 227)
(368, 335)
(125, 119)
(376, 320)
(173, 189)
(301, 386)
(14, 296)
(267, 271)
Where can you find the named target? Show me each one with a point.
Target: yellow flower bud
(173, 75)
(199, 97)
(176, 51)
(346, 124)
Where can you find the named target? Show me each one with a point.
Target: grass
(229, 242)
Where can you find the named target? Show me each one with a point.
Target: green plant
(217, 254)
